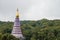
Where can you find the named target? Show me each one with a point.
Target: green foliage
(33, 30)
(7, 37)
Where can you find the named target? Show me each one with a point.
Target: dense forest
(43, 29)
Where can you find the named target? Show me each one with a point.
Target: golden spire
(17, 14)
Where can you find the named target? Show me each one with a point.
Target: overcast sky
(29, 9)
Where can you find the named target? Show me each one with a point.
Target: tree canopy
(43, 29)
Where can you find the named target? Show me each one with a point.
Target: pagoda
(16, 31)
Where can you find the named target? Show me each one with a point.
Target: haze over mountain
(29, 9)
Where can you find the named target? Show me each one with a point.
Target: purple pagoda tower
(16, 31)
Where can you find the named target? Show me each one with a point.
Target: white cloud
(30, 9)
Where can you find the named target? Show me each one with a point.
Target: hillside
(43, 29)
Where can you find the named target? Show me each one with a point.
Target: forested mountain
(43, 29)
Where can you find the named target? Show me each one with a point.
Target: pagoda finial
(17, 9)
(17, 14)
